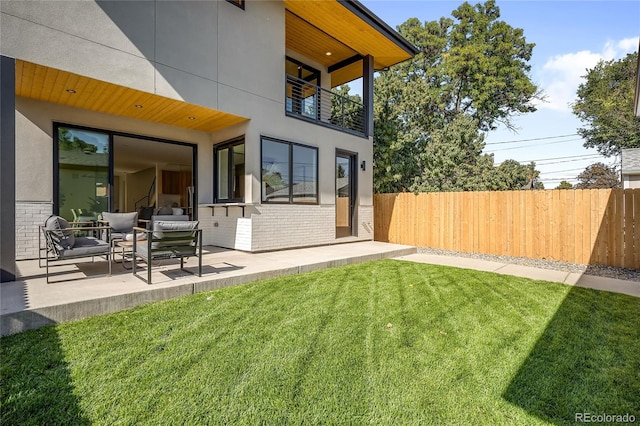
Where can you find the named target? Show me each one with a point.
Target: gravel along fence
(597, 270)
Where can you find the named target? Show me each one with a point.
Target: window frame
(290, 144)
(227, 145)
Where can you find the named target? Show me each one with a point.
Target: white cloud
(561, 74)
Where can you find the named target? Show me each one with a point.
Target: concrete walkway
(631, 288)
(82, 290)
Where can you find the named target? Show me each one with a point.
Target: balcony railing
(313, 103)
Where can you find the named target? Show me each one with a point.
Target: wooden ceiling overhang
(62, 87)
(338, 33)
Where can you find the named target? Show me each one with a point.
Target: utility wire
(584, 157)
(560, 162)
(529, 140)
(528, 146)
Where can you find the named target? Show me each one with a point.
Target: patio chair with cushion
(61, 243)
(168, 240)
(121, 224)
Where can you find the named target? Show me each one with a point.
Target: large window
(229, 171)
(83, 173)
(289, 172)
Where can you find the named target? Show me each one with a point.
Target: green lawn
(381, 343)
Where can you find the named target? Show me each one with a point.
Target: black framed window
(229, 171)
(239, 3)
(289, 172)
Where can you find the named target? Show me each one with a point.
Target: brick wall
(278, 226)
(29, 216)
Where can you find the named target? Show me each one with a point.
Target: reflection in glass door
(83, 173)
(345, 194)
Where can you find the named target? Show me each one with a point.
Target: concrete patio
(81, 289)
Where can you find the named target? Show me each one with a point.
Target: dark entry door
(345, 194)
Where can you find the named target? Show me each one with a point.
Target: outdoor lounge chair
(61, 243)
(168, 240)
(121, 224)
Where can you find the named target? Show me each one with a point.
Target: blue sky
(570, 37)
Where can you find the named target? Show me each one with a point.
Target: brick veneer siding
(29, 216)
(278, 226)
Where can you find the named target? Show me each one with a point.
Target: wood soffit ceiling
(314, 28)
(62, 87)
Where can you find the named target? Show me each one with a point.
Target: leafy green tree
(452, 160)
(598, 176)
(605, 105)
(346, 109)
(473, 65)
(511, 175)
(564, 185)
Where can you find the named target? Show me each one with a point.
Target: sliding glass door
(83, 160)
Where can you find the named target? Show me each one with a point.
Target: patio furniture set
(161, 237)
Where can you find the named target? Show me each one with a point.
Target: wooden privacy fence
(591, 226)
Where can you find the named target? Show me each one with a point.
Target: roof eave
(382, 27)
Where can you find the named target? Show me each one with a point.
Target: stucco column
(7, 169)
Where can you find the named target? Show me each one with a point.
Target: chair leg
(46, 261)
(149, 271)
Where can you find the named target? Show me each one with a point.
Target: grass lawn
(386, 342)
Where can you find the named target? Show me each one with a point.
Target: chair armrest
(137, 228)
(88, 223)
(82, 228)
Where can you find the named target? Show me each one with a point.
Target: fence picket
(579, 226)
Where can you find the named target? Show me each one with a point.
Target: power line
(534, 139)
(565, 170)
(582, 157)
(528, 146)
(560, 162)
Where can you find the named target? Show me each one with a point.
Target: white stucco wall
(209, 53)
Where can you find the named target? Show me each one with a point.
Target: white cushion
(139, 236)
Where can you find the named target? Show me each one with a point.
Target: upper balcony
(345, 41)
(324, 107)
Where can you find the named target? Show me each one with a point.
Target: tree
(598, 175)
(452, 160)
(564, 185)
(473, 65)
(347, 108)
(605, 105)
(511, 175)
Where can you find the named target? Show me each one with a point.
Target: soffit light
(138, 106)
(191, 117)
(70, 91)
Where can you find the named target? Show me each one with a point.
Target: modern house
(226, 110)
(630, 169)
